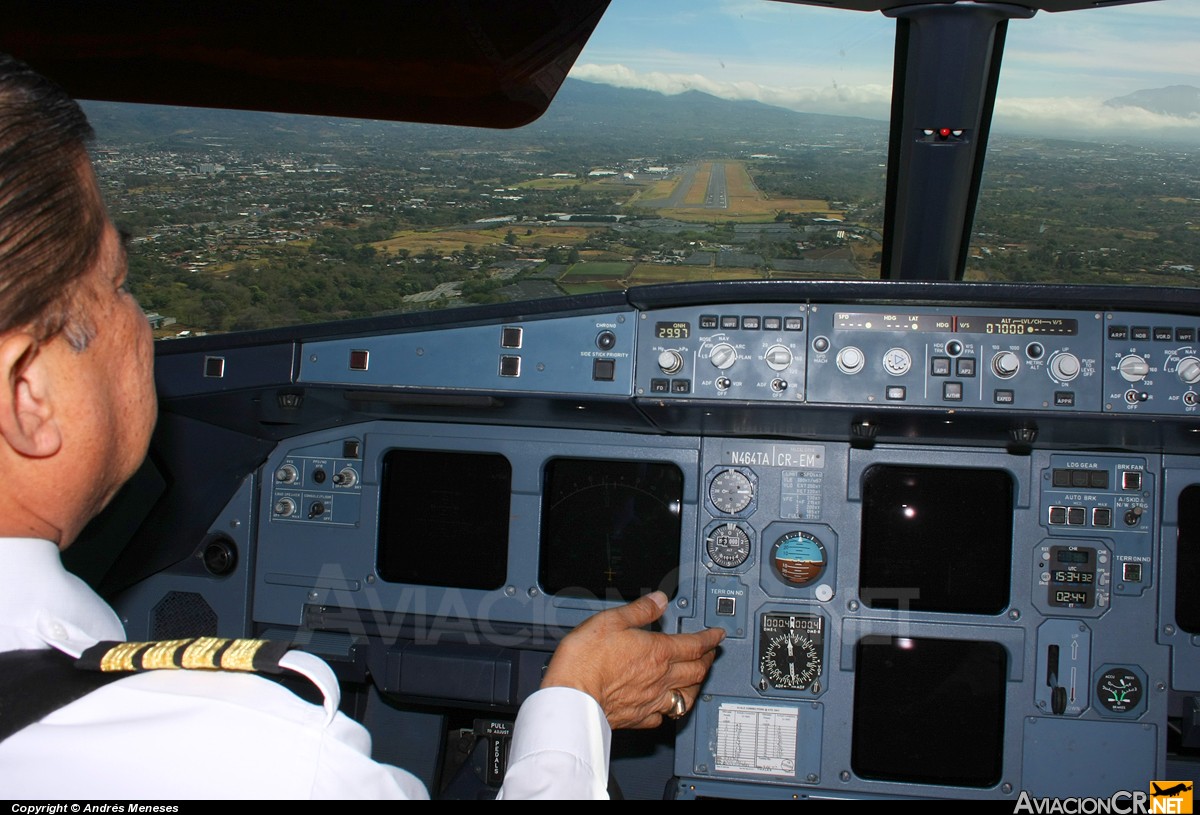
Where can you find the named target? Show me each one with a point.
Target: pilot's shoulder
(205, 666)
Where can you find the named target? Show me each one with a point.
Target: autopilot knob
(850, 360)
(670, 362)
(1065, 367)
(1189, 370)
(1006, 364)
(1133, 368)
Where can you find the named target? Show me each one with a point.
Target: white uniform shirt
(199, 735)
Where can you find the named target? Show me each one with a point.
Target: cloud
(851, 100)
(1053, 116)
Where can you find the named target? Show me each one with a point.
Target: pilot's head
(77, 402)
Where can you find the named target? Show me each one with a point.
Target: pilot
(77, 407)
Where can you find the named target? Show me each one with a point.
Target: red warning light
(944, 132)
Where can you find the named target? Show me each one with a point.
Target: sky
(1058, 68)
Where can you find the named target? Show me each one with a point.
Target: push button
(952, 391)
(1076, 516)
(726, 606)
(1058, 515)
(604, 370)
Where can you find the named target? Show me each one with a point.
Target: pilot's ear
(27, 421)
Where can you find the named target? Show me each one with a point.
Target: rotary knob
(850, 360)
(722, 356)
(287, 474)
(1189, 370)
(671, 362)
(1006, 364)
(1065, 367)
(1133, 368)
(778, 357)
(346, 477)
(285, 507)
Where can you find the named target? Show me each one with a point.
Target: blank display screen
(936, 539)
(443, 518)
(929, 711)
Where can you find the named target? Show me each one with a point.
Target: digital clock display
(672, 331)
(1065, 597)
(1062, 576)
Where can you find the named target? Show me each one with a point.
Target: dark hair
(51, 222)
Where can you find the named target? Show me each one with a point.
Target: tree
(510, 237)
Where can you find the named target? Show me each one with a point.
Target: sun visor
(478, 63)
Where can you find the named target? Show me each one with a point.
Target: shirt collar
(42, 604)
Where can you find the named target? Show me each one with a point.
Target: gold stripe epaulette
(197, 653)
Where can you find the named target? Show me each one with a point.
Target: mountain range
(1176, 100)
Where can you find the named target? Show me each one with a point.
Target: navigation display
(443, 518)
(610, 529)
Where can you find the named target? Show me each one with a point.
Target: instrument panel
(905, 614)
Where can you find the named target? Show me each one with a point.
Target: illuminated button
(1058, 515)
(604, 370)
(965, 366)
(726, 606)
(1064, 399)
(896, 393)
(660, 386)
(1004, 397)
(1076, 516)
(1118, 332)
(1131, 572)
(681, 386)
(750, 323)
(1101, 516)
(939, 366)
(1185, 335)
(772, 323)
(359, 360)
(511, 337)
(793, 324)
(510, 366)
(1131, 480)
(1163, 333)
(1062, 478)
(1140, 332)
(952, 391)
(708, 321)
(730, 323)
(1098, 479)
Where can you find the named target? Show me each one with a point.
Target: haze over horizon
(1059, 73)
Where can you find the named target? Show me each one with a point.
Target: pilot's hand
(629, 671)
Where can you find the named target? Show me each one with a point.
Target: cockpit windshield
(704, 140)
